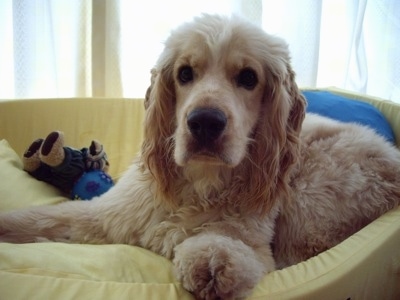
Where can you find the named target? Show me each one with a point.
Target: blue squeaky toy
(81, 173)
(91, 184)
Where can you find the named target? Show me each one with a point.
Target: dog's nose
(206, 124)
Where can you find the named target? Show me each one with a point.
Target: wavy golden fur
(222, 160)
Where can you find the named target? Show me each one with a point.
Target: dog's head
(223, 93)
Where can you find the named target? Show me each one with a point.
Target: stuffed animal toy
(82, 173)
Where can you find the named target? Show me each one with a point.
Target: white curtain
(84, 48)
(351, 44)
(59, 48)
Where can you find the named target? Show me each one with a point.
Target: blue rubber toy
(91, 184)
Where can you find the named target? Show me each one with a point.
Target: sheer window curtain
(105, 48)
(351, 44)
(59, 48)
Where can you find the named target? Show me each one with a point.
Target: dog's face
(223, 94)
(218, 92)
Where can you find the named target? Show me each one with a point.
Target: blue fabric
(348, 110)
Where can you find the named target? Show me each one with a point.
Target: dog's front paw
(217, 267)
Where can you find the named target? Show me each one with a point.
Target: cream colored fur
(212, 209)
(347, 177)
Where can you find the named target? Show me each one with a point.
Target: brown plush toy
(50, 161)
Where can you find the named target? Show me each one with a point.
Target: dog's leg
(97, 221)
(72, 221)
(214, 266)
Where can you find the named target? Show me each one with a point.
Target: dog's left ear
(159, 127)
(276, 147)
(298, 104)
(290, 153)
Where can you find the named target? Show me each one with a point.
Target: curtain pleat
(106, 74)
(356, 65)
(82, 86)
(27, 25)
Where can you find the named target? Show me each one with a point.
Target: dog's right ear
(159, 127)
(152, 81)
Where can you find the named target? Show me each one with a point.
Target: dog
(230, 168)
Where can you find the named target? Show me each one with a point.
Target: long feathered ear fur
(158, 147)
(276, 147)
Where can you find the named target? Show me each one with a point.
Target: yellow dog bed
(365, 266)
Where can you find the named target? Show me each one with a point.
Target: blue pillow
(348, 110)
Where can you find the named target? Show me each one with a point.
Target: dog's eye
(247, 78)
(185, 74)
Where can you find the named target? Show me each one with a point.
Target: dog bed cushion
(365, 266)
(18, 189)
(347, 110)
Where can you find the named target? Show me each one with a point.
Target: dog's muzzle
(206, 124)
